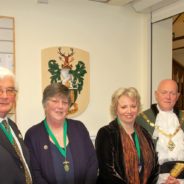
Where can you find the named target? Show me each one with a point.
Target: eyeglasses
(8, 91)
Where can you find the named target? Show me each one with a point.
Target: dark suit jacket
(11, 169)
(83, 154)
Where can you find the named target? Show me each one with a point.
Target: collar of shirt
(166, 112)
(1, 119)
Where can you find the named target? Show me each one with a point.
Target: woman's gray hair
(56, 89)
(130, 92)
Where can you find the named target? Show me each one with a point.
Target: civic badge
(45, 147)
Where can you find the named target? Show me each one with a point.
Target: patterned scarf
(131, 157)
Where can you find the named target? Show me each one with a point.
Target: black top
(62, 177)
(111, 158)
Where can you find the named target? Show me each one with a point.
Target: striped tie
(17, 150)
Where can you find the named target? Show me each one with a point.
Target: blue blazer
(82, 150)
(11, 168)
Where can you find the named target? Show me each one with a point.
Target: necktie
(17, 150)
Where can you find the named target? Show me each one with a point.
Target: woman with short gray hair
(61, 149)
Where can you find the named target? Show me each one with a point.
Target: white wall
(162, 53)
(117, 39)
(162, 41)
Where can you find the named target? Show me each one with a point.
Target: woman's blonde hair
(130, 92)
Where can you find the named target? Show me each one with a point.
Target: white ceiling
(114, 2)
(150, 5)
(140, 5)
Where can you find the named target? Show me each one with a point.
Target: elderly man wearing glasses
(14, 156)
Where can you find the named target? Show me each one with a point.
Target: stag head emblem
(66, 58)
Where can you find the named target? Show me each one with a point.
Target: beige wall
(161, 53)
(117, 38)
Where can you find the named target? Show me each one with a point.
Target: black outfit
(11, 168)
(82, 152)
(110, 156)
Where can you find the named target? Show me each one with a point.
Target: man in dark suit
(14, 156)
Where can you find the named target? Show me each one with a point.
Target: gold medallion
(171, 145)
(66, 166)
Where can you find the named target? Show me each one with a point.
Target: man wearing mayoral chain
(164, 122)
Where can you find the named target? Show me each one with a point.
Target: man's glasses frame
(9, 91)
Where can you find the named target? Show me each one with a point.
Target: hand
(171, 180)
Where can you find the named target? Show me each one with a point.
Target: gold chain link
(169, 135)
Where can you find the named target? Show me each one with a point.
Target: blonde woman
(125, 151)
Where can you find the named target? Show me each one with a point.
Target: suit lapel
(75, 150)
(20, 139)
(46, 154)
(7, 145)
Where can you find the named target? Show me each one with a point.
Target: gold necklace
(170, 143)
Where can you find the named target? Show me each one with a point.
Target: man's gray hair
(5, 72)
